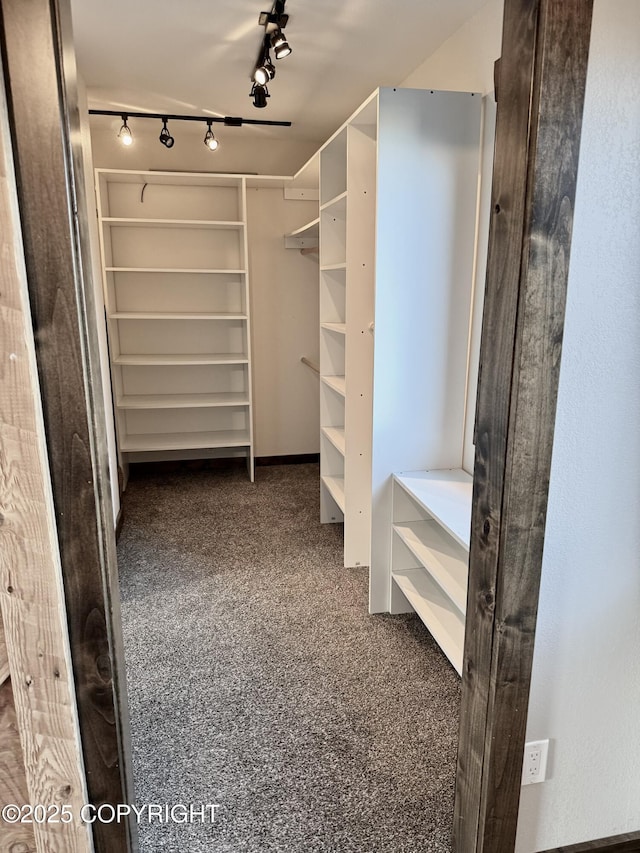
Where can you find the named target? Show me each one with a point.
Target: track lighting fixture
(264, 70)
(125, 136)
(259, 94)
(165, 137)
(280, 45)
(209, 139)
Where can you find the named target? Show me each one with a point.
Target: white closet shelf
(311, 229)
(338, 202)
(446, 496)
(217, 224)
(338, 328)
(335, 382)
(445, 560)
(181, 358)
(176, 270)
(182, 401)
(335, 487)
(328, 267)
(336, 436)
(185, 440)
(444, 621)
(178, 315)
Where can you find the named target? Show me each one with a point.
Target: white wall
(464, 63)
(284, 284)
(585, 691)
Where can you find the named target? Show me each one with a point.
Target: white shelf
(335, 487)
(446, 496)
(176, 270)
(335, 382)
(336, 437)
(181, 358)
(338, 202)
(444, 621)
(311, 229)
(445, 560)
(338, 328)
(182, 401)
(328, 267)
(178, 315)
(185, 440)
(220, 225)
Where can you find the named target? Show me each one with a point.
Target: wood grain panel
(13, 782)
(4, 659)
(31, 598)
(37, 42)
(542, 81)
(493, 400)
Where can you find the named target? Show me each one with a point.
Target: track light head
(209, 139)
(265, 72)
(125, 136)
(280, 45)
(259, 94)
(165, 137)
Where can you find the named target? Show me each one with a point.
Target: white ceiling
(195, 56)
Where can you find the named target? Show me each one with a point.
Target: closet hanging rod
(229, 121)
(310, 364)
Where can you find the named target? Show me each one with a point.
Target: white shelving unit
(398, 209)
(430, 553)
(176, 288)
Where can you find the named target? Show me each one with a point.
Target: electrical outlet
(534, 768)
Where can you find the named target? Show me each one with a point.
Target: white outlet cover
(534, 766)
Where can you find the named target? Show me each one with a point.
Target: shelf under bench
(432, 520)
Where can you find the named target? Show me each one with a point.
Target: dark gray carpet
(258, 681)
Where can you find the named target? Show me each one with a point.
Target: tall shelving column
(360, 281)
(333, 265)
(174, 253)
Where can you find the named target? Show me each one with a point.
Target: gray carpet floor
(257, 680)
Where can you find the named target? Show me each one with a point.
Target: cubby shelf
(335, 487)
(337, 383)
(338, 328)
(336, 436)
(445, 624)
(430, 551)
(342, 265)
(337, 204)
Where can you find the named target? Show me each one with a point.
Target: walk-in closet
(292, 362)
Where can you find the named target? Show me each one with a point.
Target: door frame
(540, 97)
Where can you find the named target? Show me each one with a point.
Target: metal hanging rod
(229, 121)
